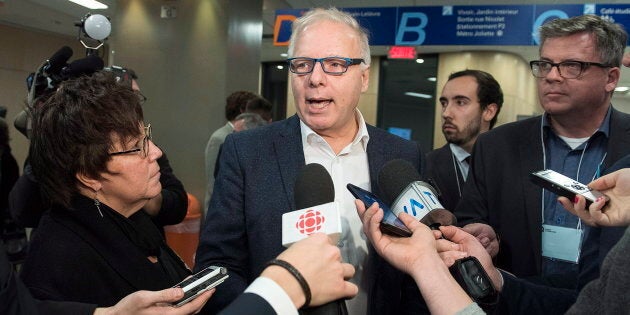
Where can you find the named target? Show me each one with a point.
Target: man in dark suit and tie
(329, 69)
(471, 101)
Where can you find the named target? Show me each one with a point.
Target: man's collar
(458, 152)
(603, 128)
(362, 135)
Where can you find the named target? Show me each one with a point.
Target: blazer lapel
(289, 155)
(619, 141)
(376, 158)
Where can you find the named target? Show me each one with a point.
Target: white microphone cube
(298, 225)
(418, 199)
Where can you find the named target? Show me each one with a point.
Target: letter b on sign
(409, 25)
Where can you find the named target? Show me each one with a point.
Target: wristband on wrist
(297, 275)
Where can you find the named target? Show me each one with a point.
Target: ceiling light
(284, 55)
(414, 94)
(420, 60)
(279, 67)
(90, 4)
(432, 79)
(622, 89)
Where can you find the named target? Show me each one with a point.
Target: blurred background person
(260, 106)
(234, 105)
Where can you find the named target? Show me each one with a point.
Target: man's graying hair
(331, 14)
(610, 38)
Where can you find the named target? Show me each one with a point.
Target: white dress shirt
(349, 166)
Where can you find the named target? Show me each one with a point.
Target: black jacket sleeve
(174, 197)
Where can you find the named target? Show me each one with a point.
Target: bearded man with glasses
(329, 61)
(579, 135)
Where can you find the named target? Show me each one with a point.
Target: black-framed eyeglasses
(143, 148)
(141, 97)
(330, 65)
(567, 69)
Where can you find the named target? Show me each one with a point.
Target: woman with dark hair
(93, 156)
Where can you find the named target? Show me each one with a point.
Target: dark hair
(610, 38)
(235, 103)
(260, 106)
(251, 120)
(488, 89)
(132, 73)
(73, 129)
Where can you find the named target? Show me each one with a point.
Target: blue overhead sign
(459, 25)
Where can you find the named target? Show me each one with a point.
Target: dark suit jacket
(254, 187)
(498, 192)
(441, 173)
(248, 303)
(77, 255)
(607, 294)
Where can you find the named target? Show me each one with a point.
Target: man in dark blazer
(579, 130)
(258, 168)
(471, 101)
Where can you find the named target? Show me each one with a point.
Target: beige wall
(511, 71)
(21, 52)
(187, 66)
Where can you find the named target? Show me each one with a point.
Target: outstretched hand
(612, 212)
(402, 252)
(156, 303)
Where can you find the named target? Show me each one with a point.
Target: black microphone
(402, 188)
(57, 61)
(314, 187)
(83, 66)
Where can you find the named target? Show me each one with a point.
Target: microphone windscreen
(394, 177)
(58, 60)
(83, 66)
(313, 187)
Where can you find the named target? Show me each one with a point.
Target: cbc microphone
(314, 195)
(403, 189)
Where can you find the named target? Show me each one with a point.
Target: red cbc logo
(310, 222)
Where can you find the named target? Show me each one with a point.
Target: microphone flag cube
(298, 225)
(418, 199)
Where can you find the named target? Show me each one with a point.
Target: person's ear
(89, 182)
(489, 112)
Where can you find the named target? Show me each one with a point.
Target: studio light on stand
(93, 31)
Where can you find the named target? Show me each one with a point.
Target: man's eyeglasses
(143, 147)
(330, 65)
(567, 69)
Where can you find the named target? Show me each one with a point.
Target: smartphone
(200, 282)
(564, 186)
(391, 224)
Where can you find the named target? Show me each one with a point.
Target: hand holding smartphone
(200, 282)
(564, 186)
(390, 224)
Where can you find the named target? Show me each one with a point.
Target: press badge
(562, 243)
